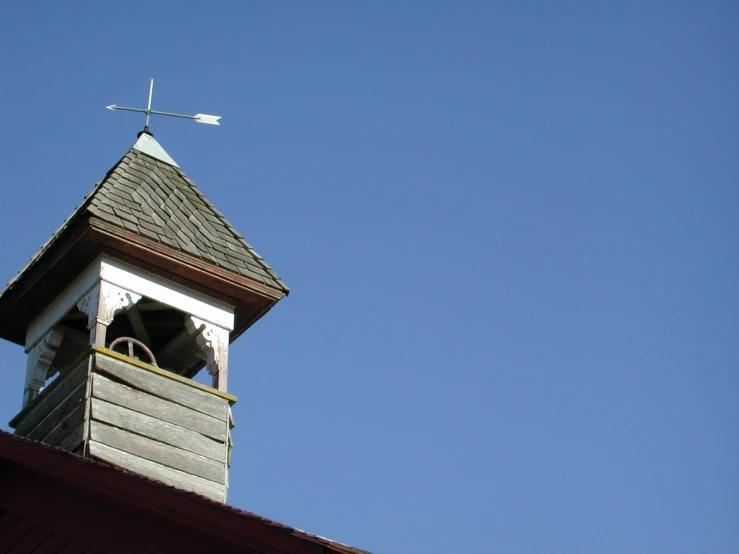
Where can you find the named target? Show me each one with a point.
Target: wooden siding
(159, 408)
(158, 472)
(147, 426)
(137, 417)
(161, 427)
(57, 415)
(157, 383)
(161, 453)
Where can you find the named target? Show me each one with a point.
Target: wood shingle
(146, 193)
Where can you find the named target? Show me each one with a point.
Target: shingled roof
(147, 193)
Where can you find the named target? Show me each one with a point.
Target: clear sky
(510, 230)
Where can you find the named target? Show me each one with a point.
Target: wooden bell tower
(143, 286)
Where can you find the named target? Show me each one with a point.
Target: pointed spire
(148, 145)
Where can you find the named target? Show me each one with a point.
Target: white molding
(104, 301)
(167, 292)
(137, 281)
(101, 305)
(63, 303)
(213, 342)
(39, 364)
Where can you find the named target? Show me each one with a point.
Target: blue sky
(509, 228)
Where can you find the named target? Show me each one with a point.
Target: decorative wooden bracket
(101, 305)
(39, 365)
(213, 343)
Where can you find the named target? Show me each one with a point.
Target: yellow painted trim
(163, 372)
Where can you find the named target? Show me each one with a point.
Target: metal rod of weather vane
(147, 112)
(114, 107)
(148, 107)
(198, 117)
(173, 114)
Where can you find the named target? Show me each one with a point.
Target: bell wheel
(131, 344)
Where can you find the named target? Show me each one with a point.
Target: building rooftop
(51, 499)
(147, 193)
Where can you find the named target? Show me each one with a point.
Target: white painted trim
(128, 277)
(167, 292)
(213, 342)
(63, 303)
(39, 365)
(101, 305)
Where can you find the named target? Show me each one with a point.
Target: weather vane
(199, 117)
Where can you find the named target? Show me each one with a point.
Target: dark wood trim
(77, 246)
(189, 267)
(251, 299)
(42, 264)
(72, 243)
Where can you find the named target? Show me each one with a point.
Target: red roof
(53, 501)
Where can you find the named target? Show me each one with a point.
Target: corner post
(101, 305)
(213, 343)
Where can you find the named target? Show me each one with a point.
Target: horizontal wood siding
(156, 429)
(137, 418)
(153, 470)
(73, 440)
(50, 400)
(160, 427)
(58, 415)
(123, 395)
(67, 427)
(155, 451)
(158, 385)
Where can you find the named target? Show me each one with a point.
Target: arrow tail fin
(207, 119)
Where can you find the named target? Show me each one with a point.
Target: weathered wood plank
(231, 399)
(73, 440)
(50, 398)
(157, 429)
(66, 426)
(122, 395)
(155, 451)
(159, 472)
(161, 386)
(60, 413)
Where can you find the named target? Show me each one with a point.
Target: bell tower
(142, 287)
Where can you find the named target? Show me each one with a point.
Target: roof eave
(87, 238)
(251, 299)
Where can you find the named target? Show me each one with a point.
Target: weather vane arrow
(199, 117)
